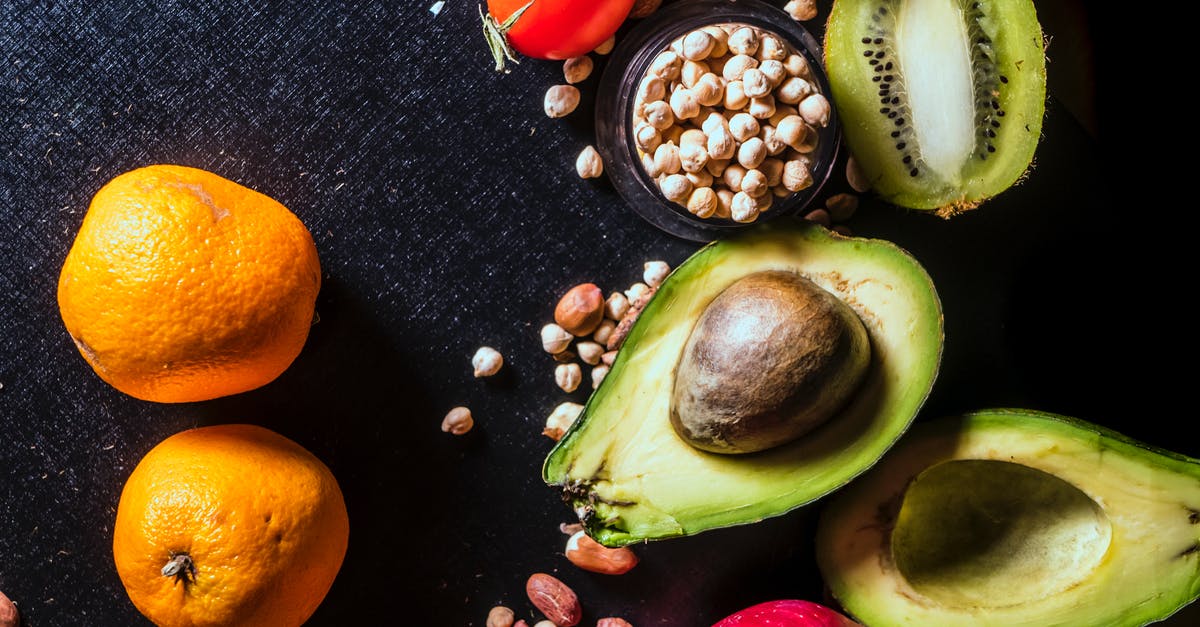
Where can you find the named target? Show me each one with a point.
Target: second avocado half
(629, 474)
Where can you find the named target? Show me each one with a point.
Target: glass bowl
(618, 89)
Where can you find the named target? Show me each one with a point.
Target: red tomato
(560, 29)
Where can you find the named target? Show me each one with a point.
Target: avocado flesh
(630, 477)
(1015, 517)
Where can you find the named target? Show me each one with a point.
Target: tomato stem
(496, 34)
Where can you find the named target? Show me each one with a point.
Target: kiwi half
(941, 100)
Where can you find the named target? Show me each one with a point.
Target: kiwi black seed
(941, 100)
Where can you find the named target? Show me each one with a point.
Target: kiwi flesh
(941, 100)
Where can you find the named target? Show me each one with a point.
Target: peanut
(580, 310)
(592, 556)
(554, 599)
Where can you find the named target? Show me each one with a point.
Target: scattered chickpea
(609, 358)
(588, 164)
(598, 374)
(616, 306)
(606, 46)
(801, 10)
(589, 352)
(602, 332)
(500, 616)
(654, 272)
(561, 419)
(487, 361)
(555, 339)
(637, 291)
(577, 69)
(458, 421)
(561, 100)
(568, 377)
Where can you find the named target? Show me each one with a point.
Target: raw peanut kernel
(580, 310)
(554, 599)
(592, 556)
(613, 622)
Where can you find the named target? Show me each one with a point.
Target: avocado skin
(1145, 567)
(628, 475)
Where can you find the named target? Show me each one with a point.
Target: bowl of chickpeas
(714, 115)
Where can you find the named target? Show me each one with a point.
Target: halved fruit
(631, 477)
(941, 100)
(1015, 517)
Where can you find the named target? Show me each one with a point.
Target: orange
(184, 286)
(250, 526)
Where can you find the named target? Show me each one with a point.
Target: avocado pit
(772, 357)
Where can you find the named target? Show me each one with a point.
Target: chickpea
(561, 100)
(796, 176)
(724, 204)
(744, 41)
(666, 159)
(815, 110)
(588, 164)
(697, 45)
(735, 96)
(792, 131)
(700, 179)
(751, 153)
(676, 187)
(793, 90)
(755, 83)
(709, 90)
(762, 108)
(703, 202)
(666, 66)
(773, 169)
(693, 157)
(716, 167)
(647, 137)
(796, 65)
(754, 183)
(651, 88)
(801, 10)
(770, 48)
(733, 175)
(683, 104)
(691, 73)
(743, 126)
(721, 144)
(744, 208)
(720, 41)
(774, 71)
(736, 66)
(659, 115)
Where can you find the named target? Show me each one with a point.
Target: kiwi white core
(932, 45)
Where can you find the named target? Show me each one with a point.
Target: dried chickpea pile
(726, 120)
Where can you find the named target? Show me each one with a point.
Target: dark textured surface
(447, 215)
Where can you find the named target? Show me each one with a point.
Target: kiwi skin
(1005, 34)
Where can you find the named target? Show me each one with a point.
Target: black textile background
(447, 215)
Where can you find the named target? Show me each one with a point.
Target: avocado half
(630, 477)
(1014, 517)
